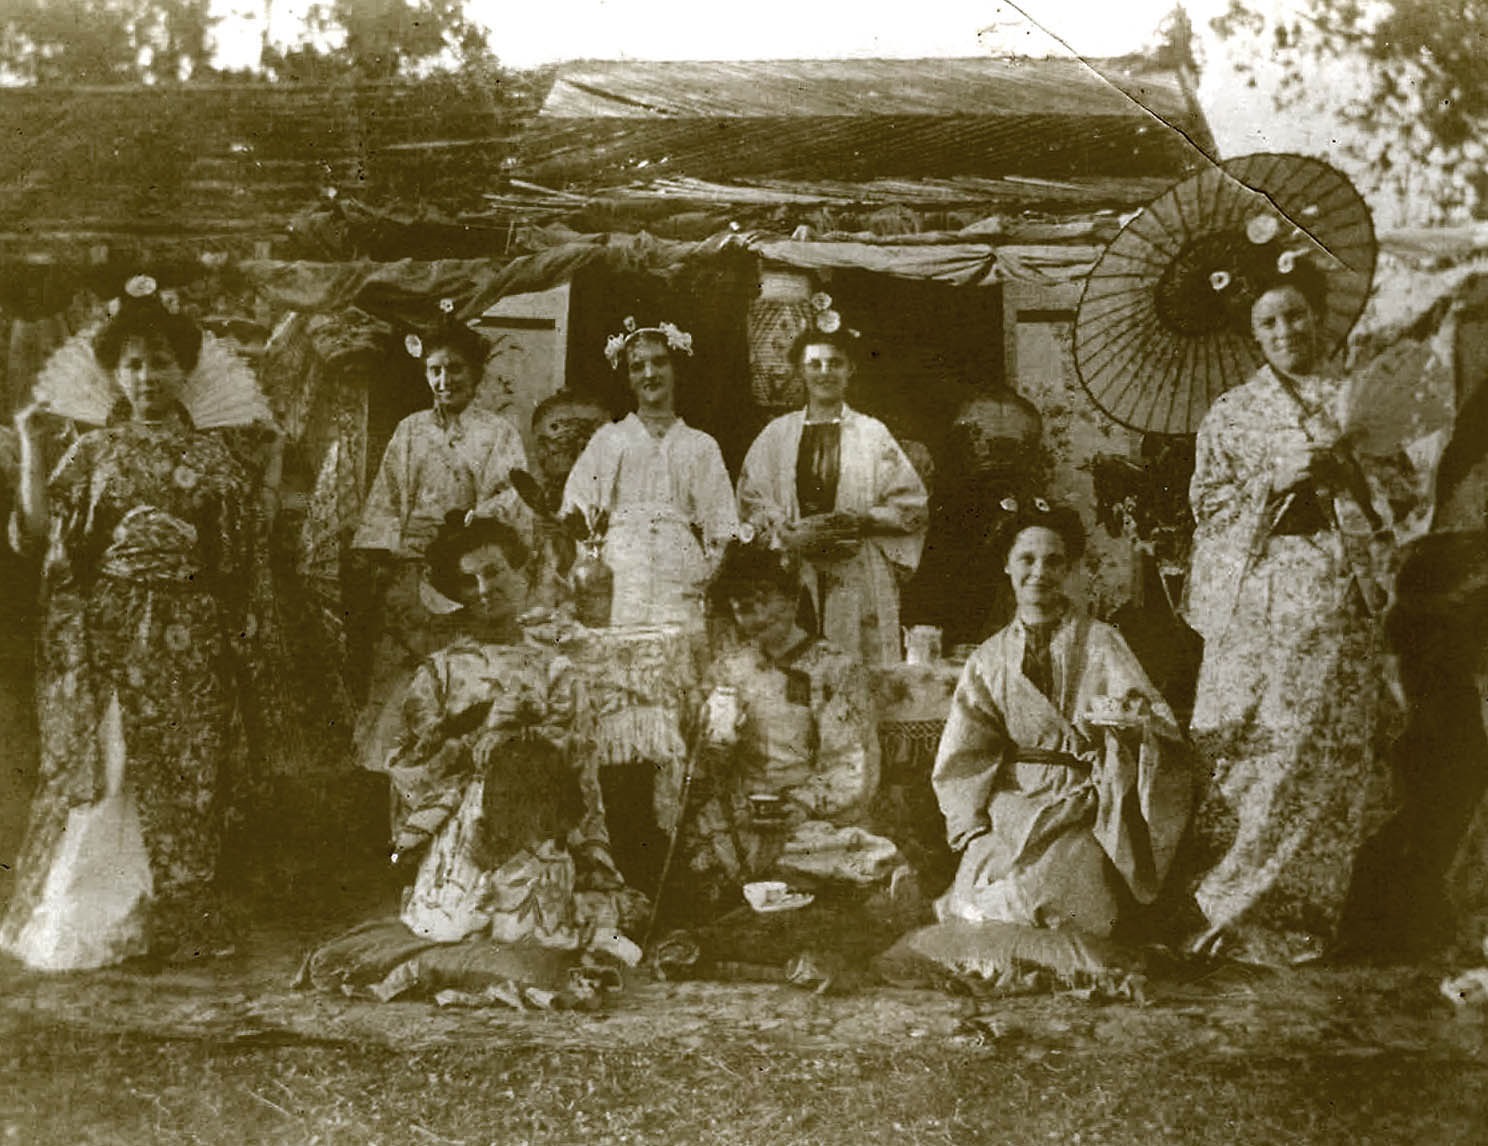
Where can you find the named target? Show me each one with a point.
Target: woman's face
(764, 616)
(1286, 329)
(494, 592)
(150, 376)
(653, 381)
(1039, 566)
(826, 370)
(452, 379)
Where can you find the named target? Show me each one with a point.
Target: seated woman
(789, 764)
(492, 803)
(1061, 771)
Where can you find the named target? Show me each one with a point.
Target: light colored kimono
(1060, 821)
(435, 463)
(857, 598)
(1292, 710)
(808, 737)
(671, 511)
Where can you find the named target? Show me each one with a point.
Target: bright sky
(544, 31)
(550, 30)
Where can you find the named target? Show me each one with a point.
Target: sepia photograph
(633, 572)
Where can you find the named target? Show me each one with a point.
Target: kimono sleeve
(1226, 512)
(430, 760)
(900, 504)
(586, 489)
(972, 750)
(712, 494)
(758, 504)
(382, 513)
(69, 511)
(847, 746)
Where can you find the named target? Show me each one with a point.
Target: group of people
(1073, 798)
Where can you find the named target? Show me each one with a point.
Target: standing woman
(1292, 708)
(662, 485)
(148, 542)
(833, 486)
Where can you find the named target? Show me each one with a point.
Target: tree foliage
(104, 41)
(164, 41)
(1415, 93)
(382, 40)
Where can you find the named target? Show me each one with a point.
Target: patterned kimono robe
(433, 464)
(671, 510)
(1061, 822)
(856, 598)
(146, 612)
(808, 737)
(1292, 712)
(465, 701)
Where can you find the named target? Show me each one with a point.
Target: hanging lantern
(780, 313)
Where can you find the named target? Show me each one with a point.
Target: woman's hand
(1300, 465)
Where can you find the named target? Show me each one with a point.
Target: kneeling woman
(491, 801)
(1060, 772)
(791, 756)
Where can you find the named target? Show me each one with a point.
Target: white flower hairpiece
(1219, 280)
(446, 306)
(676, 338)
(414, 345)
(140, 286)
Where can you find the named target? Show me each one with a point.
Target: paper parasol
(1163, 323)
(221, 391)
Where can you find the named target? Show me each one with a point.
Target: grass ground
(73, 1087)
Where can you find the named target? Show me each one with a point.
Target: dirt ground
(229, 1052)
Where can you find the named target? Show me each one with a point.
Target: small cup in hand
(722, 717)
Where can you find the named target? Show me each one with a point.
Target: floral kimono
(671, 510)
(856, 598)
(433, 464)
(465, 702)
(809, 739)
(1292, 712)
(146, 615)
(1060, 823)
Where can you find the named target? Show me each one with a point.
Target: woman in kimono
(661, 486)
(453, 456)
(834, 487)
(147, 525)
(1293, 706)
(492, 800)
(1061, 771)
(791, 759)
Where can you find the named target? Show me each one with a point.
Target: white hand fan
(221, 391)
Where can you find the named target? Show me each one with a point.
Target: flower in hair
(828, 321)
(140, 286)
(676, 339)
(1008, 504)
(414, 345)
(446, 306)
(1219, 280)
(1041, 505)
(821, 300)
